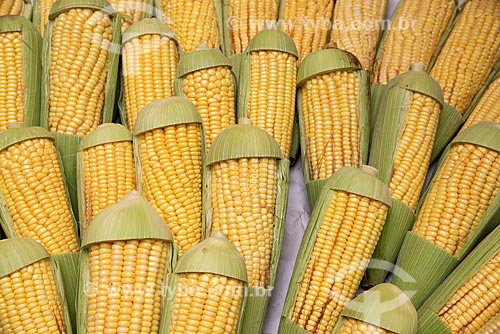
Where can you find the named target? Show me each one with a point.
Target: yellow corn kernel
(243, 207)
(109, 174)
(470, 53)
(125, 280)
(354, 326)
(247, 18)
(343, 247)
(32, 185)
(330, 103)
(171, 178)
(488, 108)
(414, 36)
(12, 79)
(132, 10)
(307, 22)
(413, 153)
(30, 302)
(11, 7)
(193, 22)
(476, 302)
(212, 92)
(356, 28)
(78, 69)
(463, 189)
(149, 70)
(45, 6)
(492, 326)
(271, 99)
(206, 303)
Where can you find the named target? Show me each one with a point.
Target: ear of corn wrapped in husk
(106, 171)
(357, 27)
(345, 225)
(401, 149)
(169, 148)
(33, 195)
(194, 22)
(207, 292)
(413, 36)
(32, 294)
(246, 198)
(243, 19)
(266, 90)
(469, 297)
(469, 55)
(17, 8)
(333, 110)
(78, 82)
(460, 207)
(204, 76)
(384, 309)
(126, 256)
(149, 64)
(20, 70)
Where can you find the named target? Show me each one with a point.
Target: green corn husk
(13, 135)
(103, 134)
(361, 181)
(32, 67)
(149, 26)
(413, 273)
(429, 320)
(384, 306)
(266, 40)
(386, 138)
(68, 266)
(201, 59)
(321, 62)
(17, 253)
(247, 141)
(132, 218)
(215, 255)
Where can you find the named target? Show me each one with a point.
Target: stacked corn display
(149, 63)
(20, 70)
(383, 309)
(126, 255)
(465, 62)
(360, 39)
(401, 150)
(79, 77)
(333, 110)
(457, 211)
(246, 199)
(170, 154)
(204, 76)
(207, 292)
(31, 291)
(351, 210)
(105, 168)
(469, 299)
(307, 23)
(193, 22)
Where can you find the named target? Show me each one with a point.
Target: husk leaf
(104, 134)
(17, 253)
(147, 27)
(450, 122)
(201, 58)
(61, 6)
(430, 323)
(273, 40)
(67, 264)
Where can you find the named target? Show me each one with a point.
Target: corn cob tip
(418, 66)
(245, 121)
(330, 45)
(370, 170)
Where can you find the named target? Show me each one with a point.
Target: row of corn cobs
(239, 187)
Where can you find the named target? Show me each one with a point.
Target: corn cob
(353, 326)
(149, 65)
(32, 186)
(11, 7)
(169, 145)
(245, 19)
(456, 211)
(360, 38)
(267, 87)
(491, 327)
(210, 87)
(20, 70)
(307, 22)
(31, 302)
(41, 13)
(105, 168)
(126, 254)
(193, 22)
(132, 11)
(327, 274)
(208, 295)
(488, 108)
(333, 115)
